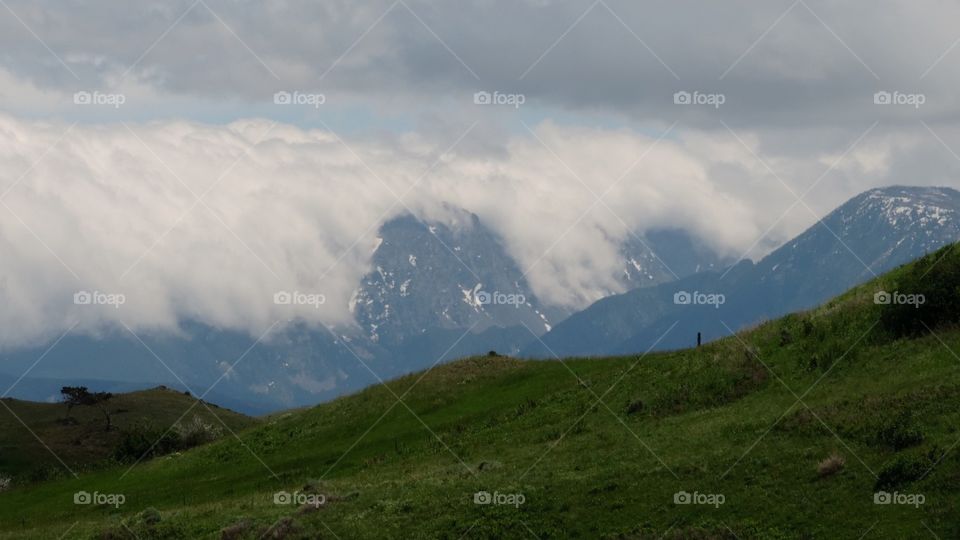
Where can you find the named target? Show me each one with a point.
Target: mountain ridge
(890, 226)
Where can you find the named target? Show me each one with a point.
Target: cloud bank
(187, 220)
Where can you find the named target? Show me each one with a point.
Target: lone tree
(75, 396)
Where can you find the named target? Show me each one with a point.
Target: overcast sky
(143, 149)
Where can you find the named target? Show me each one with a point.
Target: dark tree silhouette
(75, 396)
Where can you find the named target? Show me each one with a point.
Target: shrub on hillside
(197, 432)
(902, 471)
(900, 431)
(936, 279)
(831, 465)
(143, 441)
(909, 468)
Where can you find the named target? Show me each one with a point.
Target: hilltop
(35, 437)
(791, 429)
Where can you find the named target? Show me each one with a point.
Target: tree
(75, 396)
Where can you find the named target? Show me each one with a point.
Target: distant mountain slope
(443, 276)
(294, 365)
(431, 278)
(882, 228)
(663, 255)
(494, 447)
(436, 291)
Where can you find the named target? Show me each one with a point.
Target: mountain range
(866, 236)
(442, 290)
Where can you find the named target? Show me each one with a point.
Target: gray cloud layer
(810, 62)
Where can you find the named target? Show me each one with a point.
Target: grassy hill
(787, 430)
(34, 437)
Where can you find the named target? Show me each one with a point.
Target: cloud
(207, 222)
(778, 63)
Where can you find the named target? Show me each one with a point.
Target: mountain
(431, 282)
(443, 290)
(495, 447)
(663, 255)
(428, 279)
(436, 291)
(869, 234)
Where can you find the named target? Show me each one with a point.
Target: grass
(750, 419)
(34, 437)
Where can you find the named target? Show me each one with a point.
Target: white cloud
(296, 210)
(287, 209)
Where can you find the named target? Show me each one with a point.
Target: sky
(195, 157)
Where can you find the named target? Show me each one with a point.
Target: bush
(150, 516)
(902, 471)
(635, 407)
(900, 432)
(197, 432)
(144, 441)
(936, 277)
(831, 465)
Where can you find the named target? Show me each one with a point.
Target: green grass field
(595, 448)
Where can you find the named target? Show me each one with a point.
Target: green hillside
(784, 431)
(34, 437)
